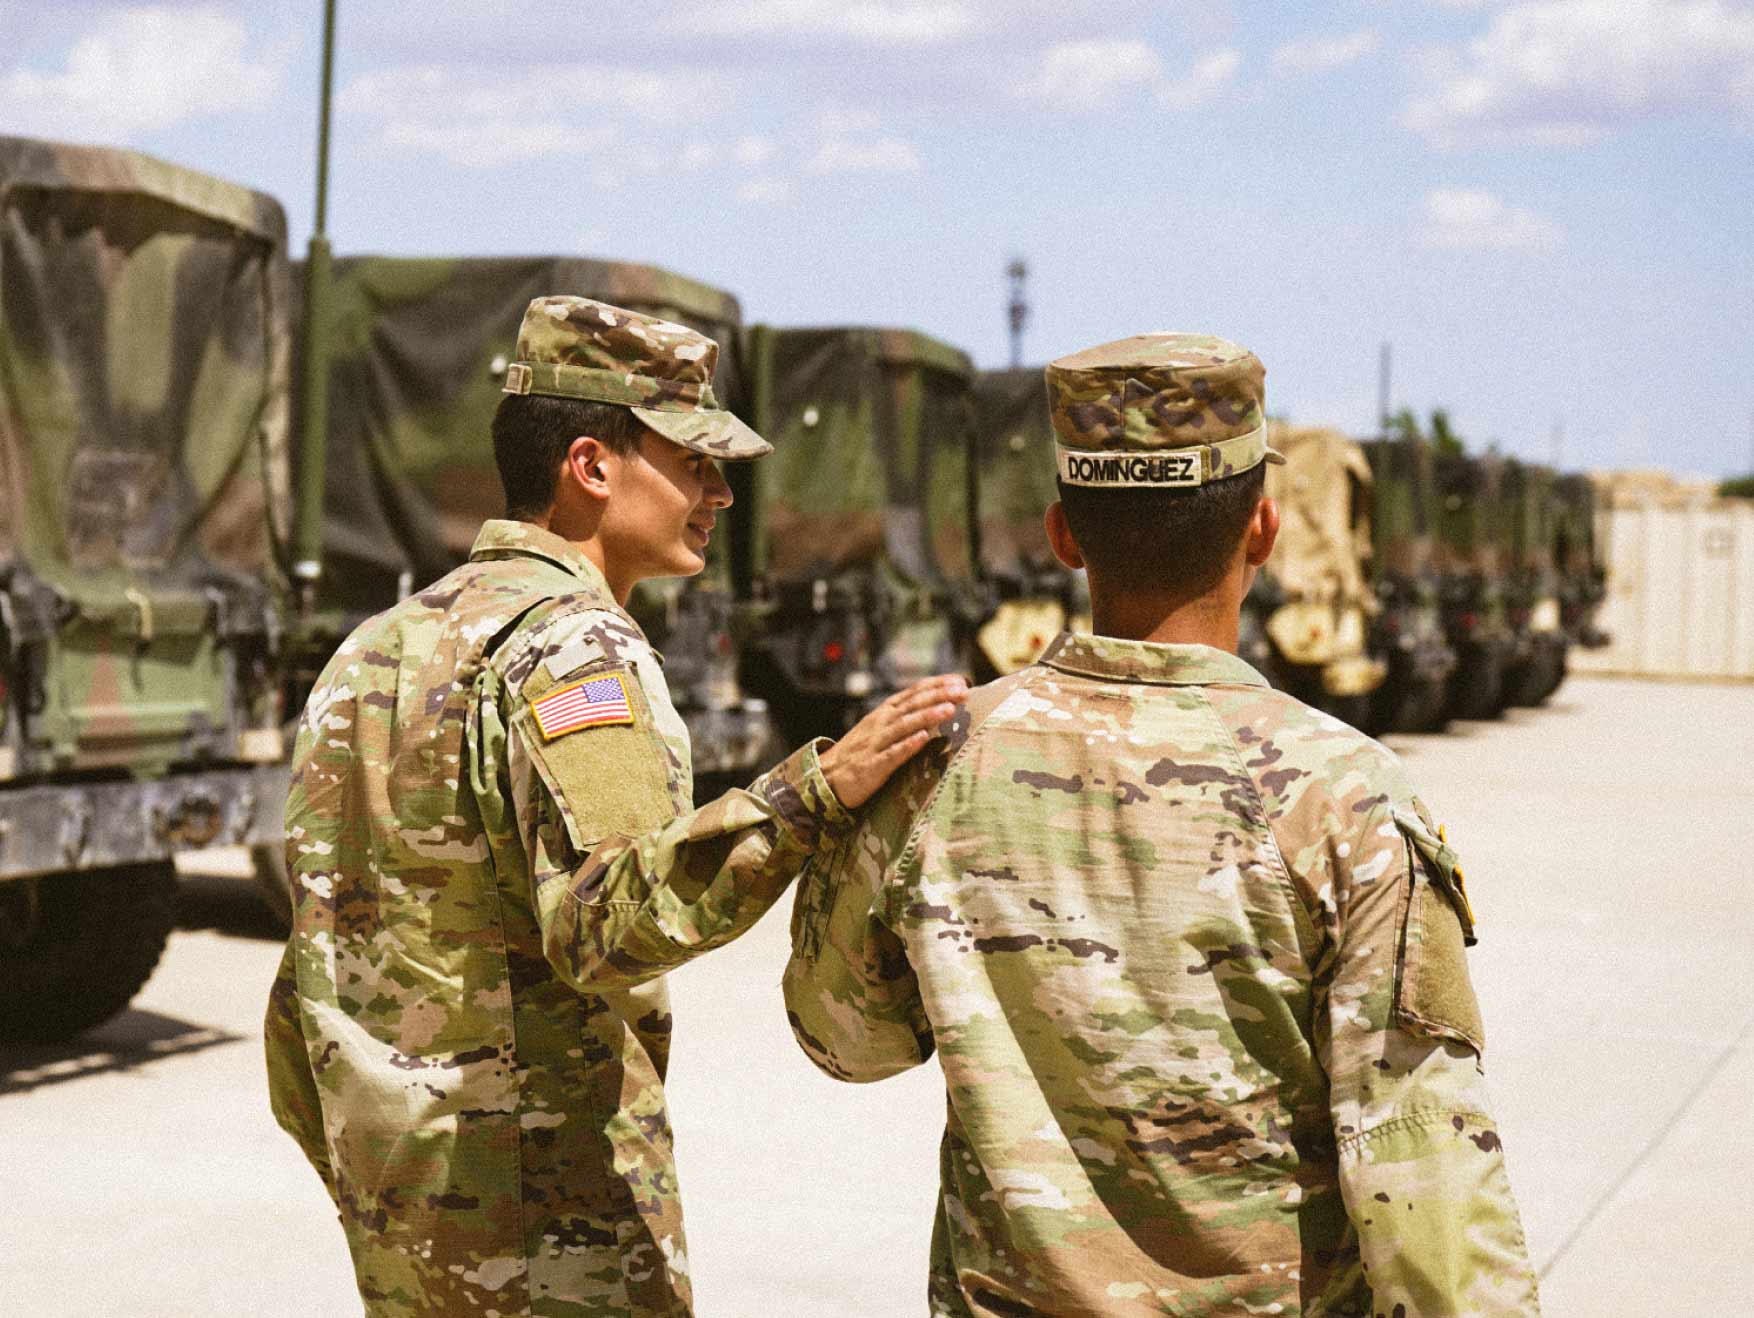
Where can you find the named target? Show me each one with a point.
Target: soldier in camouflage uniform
(1190, 952)
(493, 850)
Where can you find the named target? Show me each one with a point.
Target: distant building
(1680, 565)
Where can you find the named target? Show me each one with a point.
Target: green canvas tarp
(144, 369)
(1016, 448)
(1405, 506)
(1472, 523)
(870, 469)
(420, 349)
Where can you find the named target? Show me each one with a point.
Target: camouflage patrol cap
(577, 347)
(1160, 409)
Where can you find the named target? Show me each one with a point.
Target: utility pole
(1017, 312)
(1382, 389)
(307, 562)
(1558, 442)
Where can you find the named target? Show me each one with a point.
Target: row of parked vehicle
(155, 638)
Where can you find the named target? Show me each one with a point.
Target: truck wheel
(79, 953)
(1477, 684)
(274, 883)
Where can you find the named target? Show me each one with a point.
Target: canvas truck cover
(1323, 490)
(419, 354)
(1016, 454)
(1530, 514)
(1471, 519)
(870, 429)
(1404, 509)
(144, 371)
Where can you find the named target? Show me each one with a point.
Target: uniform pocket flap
(1433, 994)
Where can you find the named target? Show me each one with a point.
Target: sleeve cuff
(798, 793)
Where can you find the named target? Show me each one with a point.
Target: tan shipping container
(1680, 599)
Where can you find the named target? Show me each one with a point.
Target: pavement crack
(1651, 1146)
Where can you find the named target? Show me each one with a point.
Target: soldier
(1190, 952)
(493, 847)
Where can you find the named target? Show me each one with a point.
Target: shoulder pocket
(606, 770)
(1433, 994)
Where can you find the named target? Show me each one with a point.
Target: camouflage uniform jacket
(1191, 958)
(456, 1037)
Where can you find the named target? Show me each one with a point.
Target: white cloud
(752, 150)
(1473, 219)
(853, 142)
(1204, 81)
(1094, 74)
(1319, 54)
(481, 117)
(142, 70)
(872, 22)
(1564, 72)
(767, 190)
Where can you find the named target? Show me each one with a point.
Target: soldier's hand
(889, 736)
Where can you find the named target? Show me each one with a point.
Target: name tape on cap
(1177, 467)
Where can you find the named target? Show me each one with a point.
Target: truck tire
(85, 951)
(1476, 687)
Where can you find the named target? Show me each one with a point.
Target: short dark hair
(1177, 539)
(531, 434)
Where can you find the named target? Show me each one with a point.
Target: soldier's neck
(1211, 618)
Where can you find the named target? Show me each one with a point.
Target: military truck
(1036, 596)
(857, 543)
(144, 375)
(1536, 664)
(1408, 632)
(419, 349)
(1471, 563)
(1313, 601)
(1577, 556)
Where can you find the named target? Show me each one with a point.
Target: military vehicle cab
(1035, 595)
(1409, 629)
(144, 376)
(1472, 562)
(1313, 604)
(1533, 610)
(856, 542)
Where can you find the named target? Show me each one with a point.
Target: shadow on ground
(226, 905)
(132, 1040)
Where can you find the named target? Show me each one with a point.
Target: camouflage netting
(1323, 491)
(870, 430)
(1404, 510)
(1016, 448)
(420, 347)
(144, 369)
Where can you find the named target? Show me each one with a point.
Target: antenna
(1382, 388)
(1017, 312)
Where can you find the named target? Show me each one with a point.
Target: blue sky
(1544, 205)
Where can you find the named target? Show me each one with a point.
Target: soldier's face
(661, 511)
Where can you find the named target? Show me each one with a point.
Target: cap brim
(716, 433)
(1274, 456)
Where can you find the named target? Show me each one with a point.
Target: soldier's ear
(1060, 536)
(1263, 530)
(586, 467)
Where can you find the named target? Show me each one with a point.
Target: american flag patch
(593, 703)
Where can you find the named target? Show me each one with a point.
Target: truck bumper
(54, 827)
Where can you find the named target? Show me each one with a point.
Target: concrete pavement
(1607, 842)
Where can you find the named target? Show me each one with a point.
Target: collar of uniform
(503, 538)
(1147, 661)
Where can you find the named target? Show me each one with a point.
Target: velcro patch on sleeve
(598, 701)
